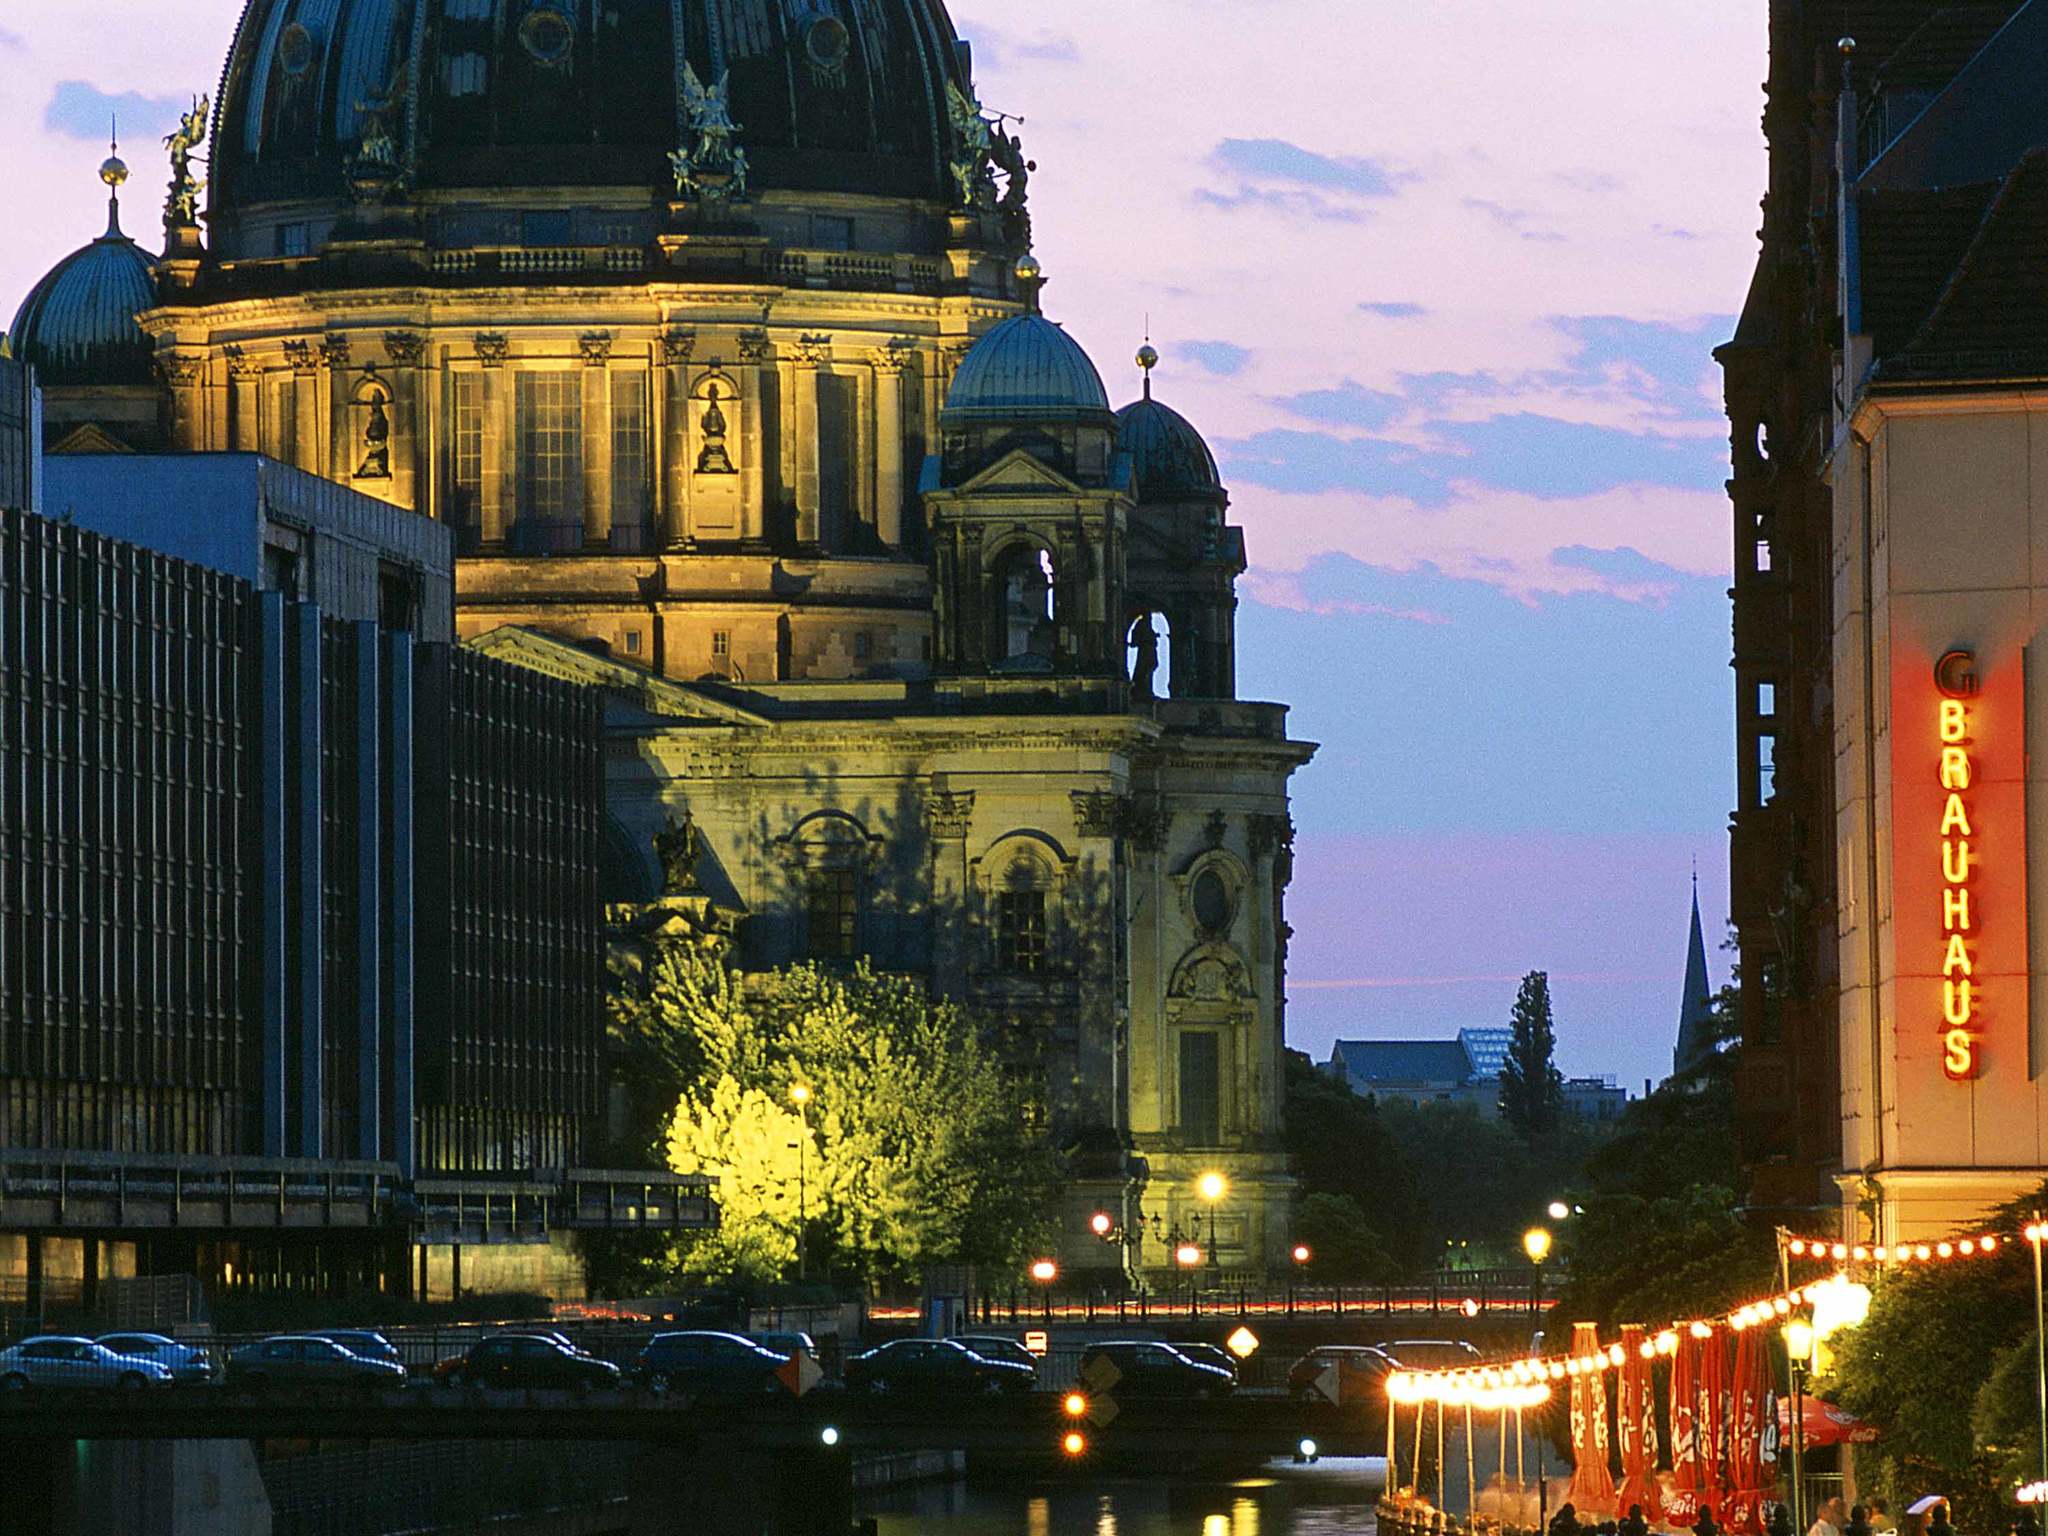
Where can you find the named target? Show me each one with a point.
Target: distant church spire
(1696, 1006)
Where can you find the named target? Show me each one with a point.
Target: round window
(547, 35)
(827, 42)
(295, 49)
(1212, 901)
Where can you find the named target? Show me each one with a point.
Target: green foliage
(1531, 1088)
(917, 1141)
(1944, 1366)
(1338, 1145)
(1342, 1244)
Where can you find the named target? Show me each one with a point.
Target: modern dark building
(299, 925)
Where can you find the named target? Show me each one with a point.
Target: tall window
(551, 447)
(629, 450)
(834, 913)
(469, 447)
(1201, 1089)
(1020, 932)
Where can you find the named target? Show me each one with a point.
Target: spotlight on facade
(1211, 1187)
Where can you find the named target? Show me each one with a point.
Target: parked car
(1431, 1354)
(304, 1359)
(1209, 1354)
(996, 1346)
(61, 1360)
(1145, 1368)
(1361, 1372)
(532, 1360)
(702, 1361)
(185, 1362)
(363, 1343)
(784, 1344)
(934, 1366)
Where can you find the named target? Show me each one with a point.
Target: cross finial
(1148, 357)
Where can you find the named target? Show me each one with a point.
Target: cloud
(1288, 179)
(1399, 309)
(1222, 358)
(82, 111)
(12, 41)
(1350, 404)
(997, 49)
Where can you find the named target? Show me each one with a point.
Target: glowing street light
(1536, 1243)
(1212, 1187)
(1075, 1443)
(1799, 1337)
(1074, 1405)
(1188, 1255)
(1102, 1224)
(1302, 1254)
(1044, 1271)
(1559, 1211)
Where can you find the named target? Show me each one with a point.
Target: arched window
(1021, 611)
(1149, 652)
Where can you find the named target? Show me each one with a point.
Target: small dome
(77, 326)
(1168, 456)
(1026, 368)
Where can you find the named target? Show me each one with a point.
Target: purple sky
(1439, 283)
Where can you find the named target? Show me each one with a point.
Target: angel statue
(374, 169)
(976, 146)
(182, 205)
(715, 167)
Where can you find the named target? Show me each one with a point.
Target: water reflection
(1332, 1498)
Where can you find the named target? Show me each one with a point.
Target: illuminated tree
(918, 1147)
(1531, 1088)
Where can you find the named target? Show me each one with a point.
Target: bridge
(717, 1465)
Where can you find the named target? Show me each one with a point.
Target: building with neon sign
(1885, 390)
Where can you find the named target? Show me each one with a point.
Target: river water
(1330, 1498)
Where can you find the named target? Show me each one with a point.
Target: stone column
(182, 373)
(245, 376)
(811, 353)
(501, 464)
(305, 433)
(597, 439)
(673, 475)
(341, 434)
(861, 503)
(889, 365)
(411, 459)
(949, 816)
(753, 458)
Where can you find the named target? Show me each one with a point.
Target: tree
(1531, 1089)
(1341, 1242)
(917, 1141)
(1338, 1145)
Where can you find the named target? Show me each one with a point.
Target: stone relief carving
(299, 353)
(676, 346)
(334, 351)
(678, 846)
(596, 347)
(405, 348)
(950, 813)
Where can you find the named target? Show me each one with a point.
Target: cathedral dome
(1026, 368)
(1168, 456)
(830, 96)
(77, 325)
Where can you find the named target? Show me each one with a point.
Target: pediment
(552, 656)
(1018, 470)
(90, 438)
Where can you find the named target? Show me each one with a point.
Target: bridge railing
(1469, 1295)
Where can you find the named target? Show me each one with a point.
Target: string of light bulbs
(1981, 1246)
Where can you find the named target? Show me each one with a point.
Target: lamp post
(1536, 1244)
(800, 1095)
(1798, 1351)
(1212, 1187)
(2037, 1232)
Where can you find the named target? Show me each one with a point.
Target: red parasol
(1824, 1424)
(1711, 1388)
(1592, 1487)
(1637, 1424)
(1683, 1507)
(1752, 1463)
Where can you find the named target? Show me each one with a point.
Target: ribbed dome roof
(77, 326)
(1168, 455)
(1027, 368)
(829, 95)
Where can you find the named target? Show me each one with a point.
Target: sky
(1440, 284)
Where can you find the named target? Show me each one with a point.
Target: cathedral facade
(712, 330)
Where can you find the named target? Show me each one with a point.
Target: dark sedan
(520, 1360)
(934, 1366)
(302, 1360)
(997, 1346)
(1145, 1368)
(363, 1343)
(700, 1361)
(1360, 1374)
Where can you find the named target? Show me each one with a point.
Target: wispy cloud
(82, 111)
(12, 41)
(995, 49)
(1397, 309)
(1286, 178)
(1223, 358)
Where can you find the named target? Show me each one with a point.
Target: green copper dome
(1168, 456)
(1027, 369)
(77, 326)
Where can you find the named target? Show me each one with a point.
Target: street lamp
(1559, 1211)
(1212, 1187)
(1536, 1244)
(1798, 1351)
(800, 1095)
